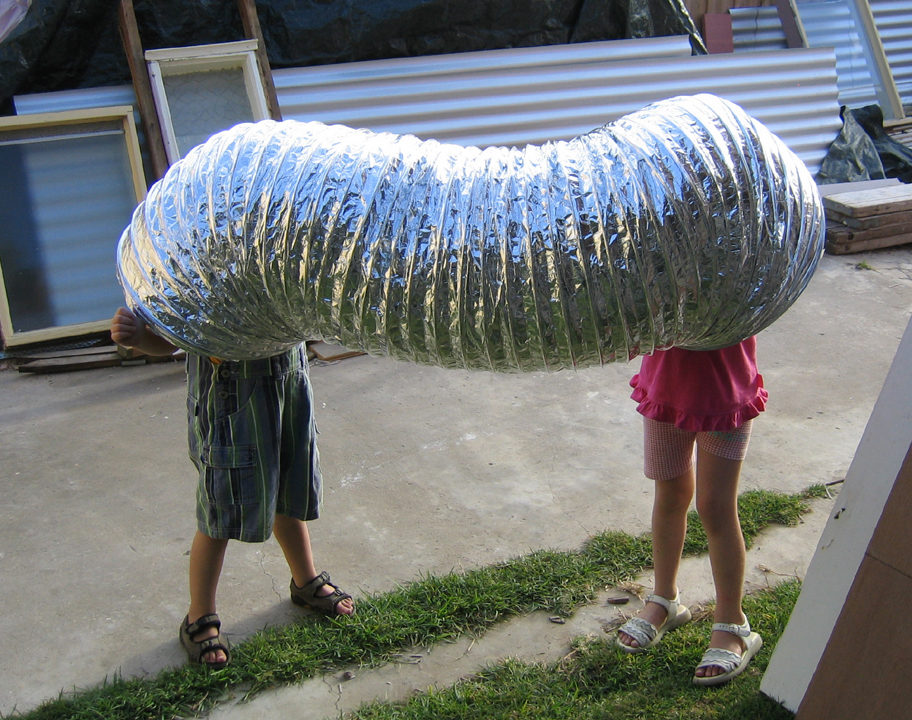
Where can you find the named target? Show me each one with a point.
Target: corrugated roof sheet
(757, 28)
(470, 99)
(893, 19)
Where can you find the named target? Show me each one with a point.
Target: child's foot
(652, 613)
(203, 641)
(320, 594)
(723, 641)
(727, 657)
(657, 617)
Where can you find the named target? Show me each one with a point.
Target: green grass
(424, 612)
(598, 681)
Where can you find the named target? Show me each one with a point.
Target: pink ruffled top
(701, 391)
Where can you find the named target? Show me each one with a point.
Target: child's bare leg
(206, 558)
(669, 526)
(294, 539)
(717, 504)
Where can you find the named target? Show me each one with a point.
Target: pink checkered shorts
(669, 451)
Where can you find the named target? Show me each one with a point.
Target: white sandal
(730, 662)
(648, 635)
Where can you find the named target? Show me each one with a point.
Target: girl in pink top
(707, 399)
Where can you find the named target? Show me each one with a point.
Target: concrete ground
(426, 470)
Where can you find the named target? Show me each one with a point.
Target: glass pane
(204, 103)
(63, 204)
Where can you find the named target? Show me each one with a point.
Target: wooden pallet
(868, 219)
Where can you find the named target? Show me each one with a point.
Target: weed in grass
(427, 611)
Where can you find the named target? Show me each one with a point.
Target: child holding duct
(253, 439)
(707, 399)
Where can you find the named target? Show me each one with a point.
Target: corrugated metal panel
(479, 103)
(893, 19)
(82, 99)
(829, 24)
(757, 28)
(499, 97)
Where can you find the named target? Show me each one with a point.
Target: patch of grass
(599, 681)
(424, 612)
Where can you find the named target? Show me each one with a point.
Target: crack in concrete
(337, 691)
(261, 556)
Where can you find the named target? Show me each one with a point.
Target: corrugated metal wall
(829, 24)
(893, 19)
(471, 99)
(500, 97)
(757, 28)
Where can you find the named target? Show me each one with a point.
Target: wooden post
(253, 31)
(791, 23)
(132, 43)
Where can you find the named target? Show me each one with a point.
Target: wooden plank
(142, 86)
(327, 352)
(78, 352)
(896, 198)
(791, 23)
(875, 221)
(855, 246)
(252, 29)
(837, 232)
(89, 362)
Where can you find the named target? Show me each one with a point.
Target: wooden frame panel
(198, 61)
(52, 136)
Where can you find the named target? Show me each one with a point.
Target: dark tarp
(66, 44)
(864, 150)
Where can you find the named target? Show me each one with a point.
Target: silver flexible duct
(684, 224)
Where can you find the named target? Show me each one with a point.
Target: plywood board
(897, 198)
(867, 223)
(844, 542)
(844, 248)
(837, 232)
(866, 665)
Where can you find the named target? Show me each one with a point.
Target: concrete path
(426, 471)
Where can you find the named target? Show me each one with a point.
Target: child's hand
(129, 330)
(126, 328)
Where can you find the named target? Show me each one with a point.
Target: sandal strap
(717, 657)
(739, 630)
(336, 596)
(640, 630)
(663, 601)
(203, 623)
(318, 582)
(208, 645)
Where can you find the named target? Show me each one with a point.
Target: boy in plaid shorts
(252, 438)
(708, 400)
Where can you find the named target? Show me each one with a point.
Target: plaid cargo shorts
(252, 437)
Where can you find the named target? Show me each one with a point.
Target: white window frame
(200, 59)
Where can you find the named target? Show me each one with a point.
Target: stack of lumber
(900, 130)
(868, 219)
(56, 361)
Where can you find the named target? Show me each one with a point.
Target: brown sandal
(196, 649)
(306, 595)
